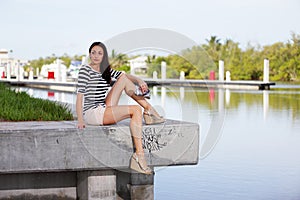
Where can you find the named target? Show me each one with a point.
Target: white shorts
(94, 116)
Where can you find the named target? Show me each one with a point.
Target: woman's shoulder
(85, 67)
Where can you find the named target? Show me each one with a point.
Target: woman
(101, 107)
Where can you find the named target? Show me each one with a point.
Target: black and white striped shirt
(93, 86)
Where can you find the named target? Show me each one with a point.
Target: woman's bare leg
(114, 114)
(124, 84)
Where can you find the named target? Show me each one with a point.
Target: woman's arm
(143, 85)
(79, 111)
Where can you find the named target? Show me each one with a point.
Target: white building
(138, 65)
(9, 65)
(74, 69)
(57, 68)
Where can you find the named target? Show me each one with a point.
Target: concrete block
(60, 146)
(134, 186)
(38, 186)
(55, 160)
(94, 185)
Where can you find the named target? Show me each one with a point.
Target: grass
(19, 106)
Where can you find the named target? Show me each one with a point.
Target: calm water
(255, 137)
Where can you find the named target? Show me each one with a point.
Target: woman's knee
(129, 85)
(136, 109)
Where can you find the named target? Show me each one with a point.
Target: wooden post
(58, 76)
(228, 78)
(8, 71)
(30, 75)
(163, 70)
(266, 70)
(155, 75)
(182, 75)
(221, 70)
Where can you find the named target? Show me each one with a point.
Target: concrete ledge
(60, 146)
(55, 160)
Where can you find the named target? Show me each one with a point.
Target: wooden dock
(71, 86)
(252, 85)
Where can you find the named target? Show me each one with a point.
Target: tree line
(198, 61)
(247, 64)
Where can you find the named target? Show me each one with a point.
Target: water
(255, 135)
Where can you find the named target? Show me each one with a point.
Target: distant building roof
(137, 59)
(76, 62)
(3, 53)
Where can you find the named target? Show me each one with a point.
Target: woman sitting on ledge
(101, 107)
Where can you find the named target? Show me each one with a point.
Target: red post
(211, 95)
(50, 75)
(51, 94)
(212, 75)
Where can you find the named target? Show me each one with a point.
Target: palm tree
(213, 48)
(118, 60)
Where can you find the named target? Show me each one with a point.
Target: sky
(41, 28)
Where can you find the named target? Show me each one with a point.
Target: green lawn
(19, 106)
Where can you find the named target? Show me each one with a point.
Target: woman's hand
(81, 125)
(143, 85)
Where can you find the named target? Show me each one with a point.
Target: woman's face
(96, 55)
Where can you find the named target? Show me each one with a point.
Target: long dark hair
(104, 66)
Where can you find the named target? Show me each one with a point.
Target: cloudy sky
(40, 28)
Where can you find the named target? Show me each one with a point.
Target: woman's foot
(152, 117)
(138, 163)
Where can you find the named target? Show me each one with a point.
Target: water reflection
(279, 99)
(64, 97)
(215, 128)
(181, 89)
(227, 96)
(211, 96)
(265, 103)
(256, 157)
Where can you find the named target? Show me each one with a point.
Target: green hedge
(19, 106)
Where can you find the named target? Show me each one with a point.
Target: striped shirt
(93, 86)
